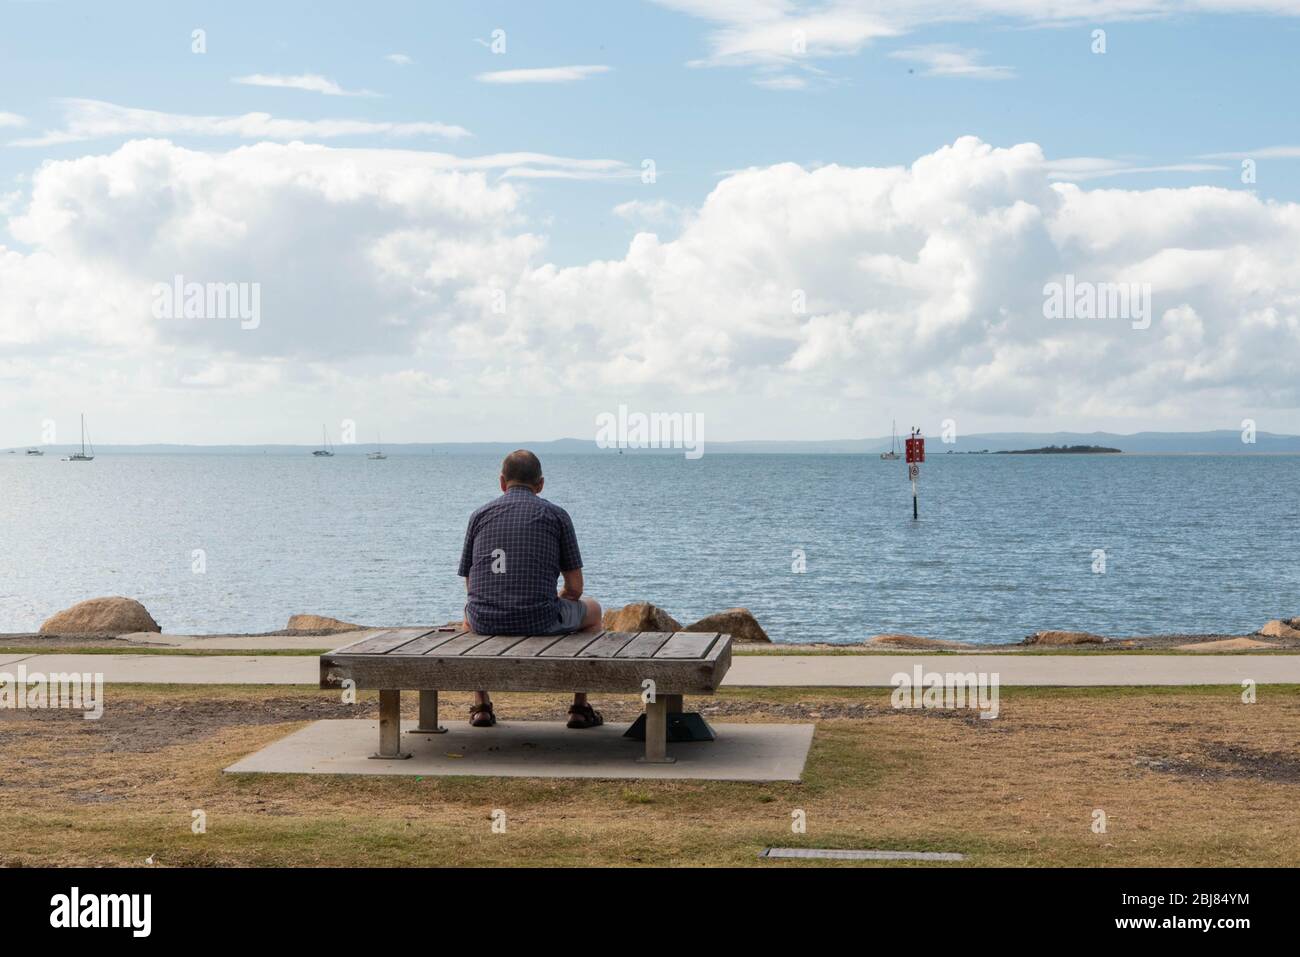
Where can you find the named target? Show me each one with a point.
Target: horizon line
(592, 441)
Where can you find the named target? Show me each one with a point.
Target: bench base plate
(682, 726)
(534, 749)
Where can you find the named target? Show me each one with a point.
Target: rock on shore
(1226, 644)
(639, 616)
(101, 616)
(916, 642)
(1281, 629)
(1055, 639)
(319, 623)
(736, 622)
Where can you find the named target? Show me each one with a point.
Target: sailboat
(325, 451)
(82, 456)
(378, 453)
(892, 454)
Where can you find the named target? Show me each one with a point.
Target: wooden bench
(668, 665)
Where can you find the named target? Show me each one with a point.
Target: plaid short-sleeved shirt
(516, 546)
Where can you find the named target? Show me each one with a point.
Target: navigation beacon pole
(915, 446)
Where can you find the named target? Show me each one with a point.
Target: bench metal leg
(656, 732)
(390, 726)
(683, 725)
(428, 715)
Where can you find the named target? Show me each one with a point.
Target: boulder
(736, 622)
(101, 616)
(1226, 644)
(319, 623)
(1059, 638)
(1279, 629)
(639, 616)
(917, 642)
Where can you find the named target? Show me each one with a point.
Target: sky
(496, 221)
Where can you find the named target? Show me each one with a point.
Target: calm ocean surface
(1004, 545)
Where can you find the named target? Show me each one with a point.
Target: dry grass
(1185, 776)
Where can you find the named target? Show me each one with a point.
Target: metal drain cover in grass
(832, 854)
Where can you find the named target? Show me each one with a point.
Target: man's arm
(467, 553)
(572, 584)
(570, 558)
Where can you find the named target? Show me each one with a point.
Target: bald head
(521, 467)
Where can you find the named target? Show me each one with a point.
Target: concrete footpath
(816, 671)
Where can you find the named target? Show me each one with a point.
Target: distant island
(1059, 450)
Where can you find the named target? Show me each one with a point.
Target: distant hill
(1061, 450)
(1224, 441)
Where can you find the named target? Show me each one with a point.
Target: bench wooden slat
(495, 645)
(460, 644)
(644, 645)
(607, 645)
(382, 643)
(532, 646)
(570, 645)
(688, 644)
(429, 641)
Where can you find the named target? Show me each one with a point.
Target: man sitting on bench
(516, 547)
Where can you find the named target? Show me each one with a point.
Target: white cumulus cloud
(786, 288)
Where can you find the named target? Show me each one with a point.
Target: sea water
(818, 547)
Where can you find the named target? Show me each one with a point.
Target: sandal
(477, 709)
(584, 716)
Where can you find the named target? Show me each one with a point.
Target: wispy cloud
(310, 82)
(766, 32)
(94, 119)
(12, 119)
(401, 59)
(656, 212)
(1079, 168)
(546, 166)
(782, 31)
(549, 74)
(792, 76)
(1264, 152)
(527, 172)
(941, 59)
(782, 81)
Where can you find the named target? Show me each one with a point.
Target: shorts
(570, 613)
(568, 617)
